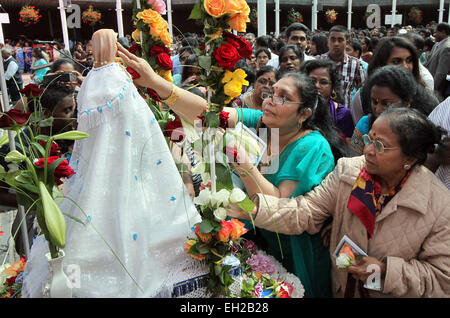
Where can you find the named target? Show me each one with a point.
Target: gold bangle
(174, 96)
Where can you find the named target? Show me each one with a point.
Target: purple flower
(261, 263)
(250, 246)
(234, 248)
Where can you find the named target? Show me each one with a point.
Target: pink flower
(158, 5)
(258, 290)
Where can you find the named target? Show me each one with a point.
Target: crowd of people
(362, 119)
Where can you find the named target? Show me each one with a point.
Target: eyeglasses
(278, 100)
(379, 147)
(322, 83)
(263, 81)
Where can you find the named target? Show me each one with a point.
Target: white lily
(343, 261)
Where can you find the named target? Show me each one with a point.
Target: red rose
(241, 44)
(13, 117)
(55, 150)
(156, 50)
(11, 280)
(227, 56)
(133, 73)
(134, 48)
(62, 171)
(223, 117)
(164, 61)
(153, 95)
(174, 130)
(31, 90)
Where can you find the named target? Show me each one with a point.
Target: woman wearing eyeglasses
(391, 206)
(326, 76)
(390, 87)
(301, 156)
(265, 78)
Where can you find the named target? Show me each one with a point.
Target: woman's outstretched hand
(147, 74)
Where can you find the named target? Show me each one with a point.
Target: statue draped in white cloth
(129, 189)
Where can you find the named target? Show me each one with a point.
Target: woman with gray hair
(387, 202)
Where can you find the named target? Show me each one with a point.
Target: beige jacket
(412, 232)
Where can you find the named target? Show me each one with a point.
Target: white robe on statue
(128, 186)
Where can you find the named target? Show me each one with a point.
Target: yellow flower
(232, 89)
(238, 75)
(228, 76)
(149, 16)
(237, 6)
(136, 35)
(166, 38)
(238, 22)
(215, 8)
(167, 75)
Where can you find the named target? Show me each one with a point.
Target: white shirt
(274, 61)
(426, 76)
(11, 70)
(441, 116)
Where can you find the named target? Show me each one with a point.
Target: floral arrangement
(29, 15)
(11, 279)
(294, 16)
(415, 15)
(152, 39)
(331, 15)
(36, 167)
(91, 16)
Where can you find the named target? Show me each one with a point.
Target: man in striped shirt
(350, 68)
(439, 161)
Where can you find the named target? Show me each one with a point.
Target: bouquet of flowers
(331, 15)
(91, 16)
(36, 167)
(415, 15)
(29, 15)
(11, 279)
(294, 16)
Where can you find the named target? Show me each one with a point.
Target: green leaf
(206, 226)
(196, 12)
(204, 61)
(202, 248)
(247, 205)
(73, 218)
(14, 156)
(224, 180)
(39, 148)
(54, 219)
(71, 135)
(42, 137)
(46, 122)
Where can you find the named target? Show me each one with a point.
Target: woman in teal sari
(304, 159)
(308, 144)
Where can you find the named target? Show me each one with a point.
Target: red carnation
(174, 130)
(31, 90)
(164, 61)
(156, 49)
(133, 73)
(243, 47)
(153, 95)
(134, 48)
(227, 56)
(13, 117)
(62, 171)
(55, 150)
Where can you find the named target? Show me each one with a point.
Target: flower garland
(294, 16)
(29, 15)
(415, 15)
(91, 16)
(331, 15)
